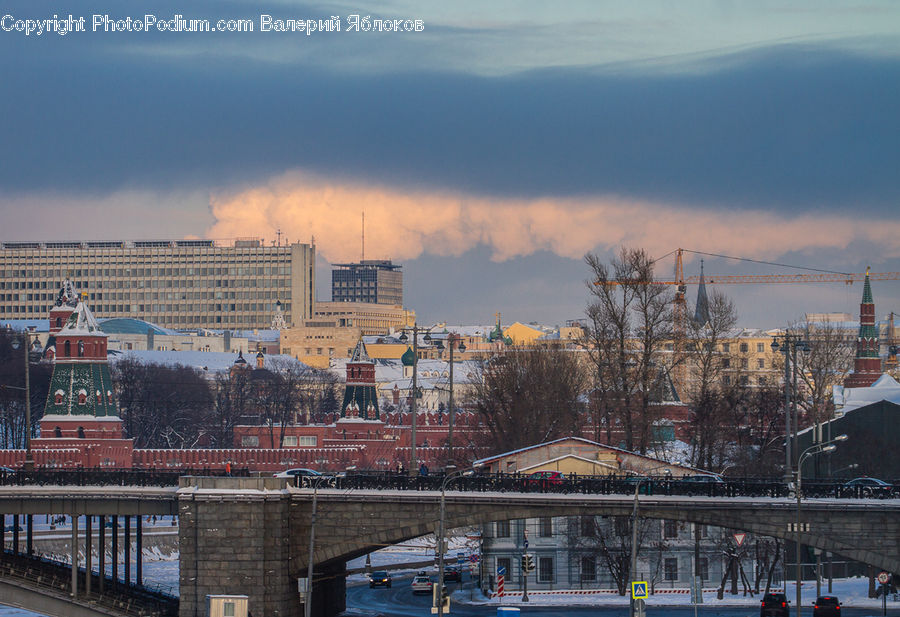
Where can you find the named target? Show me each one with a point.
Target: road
(400, 602)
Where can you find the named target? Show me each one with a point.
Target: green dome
(408, 358)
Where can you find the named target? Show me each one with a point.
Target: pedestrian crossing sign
(639, 590)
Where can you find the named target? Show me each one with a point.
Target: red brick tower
(867, 365)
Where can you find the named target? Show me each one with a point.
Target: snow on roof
(885, 388)
(81, 322)
(211, 361)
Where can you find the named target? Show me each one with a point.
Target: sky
(490, 149)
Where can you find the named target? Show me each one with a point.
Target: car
(421, 584)
(547, 480)
(827, 606)
(379, 579)
(867, 487)
(703, 479)
(452, 574)
(298, 472)
(774, 605)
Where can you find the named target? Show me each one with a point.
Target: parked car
(379, 579)
(867, 487)
(421, 584)
(297, 473)
(827, 606)
(452, 574)
(774, 605)
(547, 480)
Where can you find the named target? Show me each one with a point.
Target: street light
(452, 339)
(825, 447)
(634, 526)
(414, 463)
(26, 342)
(307, 607)
(789, 346)
(440, 540)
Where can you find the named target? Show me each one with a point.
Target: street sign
(526, 543)
(739, 538)
(473, 557)
(460, 557)
(884, 577)
(640, 608)
(639, 590)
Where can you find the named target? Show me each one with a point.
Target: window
(745, 380)
(545, 570)
(726, 362)
(250, 441)
(290, 441)
(726, 347)
(588, 529)
(80, 432)
(671, 569)
(760, 363)
(670, 529)
(704, 569)
(502, 529)
(588, 569)
(308, 440)
(82, 397)
(57, 432)
(545, 527)
(745, 348)
(744, 363)
(228, 609)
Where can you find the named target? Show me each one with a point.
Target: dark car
(826, 606)
(452, 575)
(379, 579)
(774, 605)
(867, 487)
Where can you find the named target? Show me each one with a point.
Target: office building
(179, 284)
(371, 280)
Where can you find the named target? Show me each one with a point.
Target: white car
(421, 584)
(298, 472)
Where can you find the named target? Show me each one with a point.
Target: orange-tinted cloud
(402, 224)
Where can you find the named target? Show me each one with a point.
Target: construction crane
(817, 276)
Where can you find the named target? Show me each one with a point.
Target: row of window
(589, 528)
(588, 568)
(290, 441)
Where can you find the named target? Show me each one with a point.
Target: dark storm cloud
(789, 126)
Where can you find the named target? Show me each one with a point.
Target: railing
(597, 485)
(104, 477)
(121, 597)
(709, 486)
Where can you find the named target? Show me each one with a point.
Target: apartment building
(179, 284)
(370, 280)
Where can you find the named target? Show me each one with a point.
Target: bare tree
(233, 399)
(525, 397)
(12, 390)
(629, 322)
(711, 401)
(826, 364)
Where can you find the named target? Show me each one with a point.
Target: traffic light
(527, 562)
(442, 596)
(445, 598)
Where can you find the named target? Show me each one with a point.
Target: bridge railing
(595, 485)
(102, 477)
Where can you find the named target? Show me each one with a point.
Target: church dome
(408, 358)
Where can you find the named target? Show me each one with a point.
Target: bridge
(251, 535)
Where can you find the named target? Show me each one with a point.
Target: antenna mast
(362, 254)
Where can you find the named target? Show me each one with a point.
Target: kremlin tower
(81, 410)
(867, 364)
(360, 394)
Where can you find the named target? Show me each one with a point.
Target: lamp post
(819, 448)
(26, 343)
(452, 339)
(414, 463)
(307, 607)
(634, 526)
(790, 344)
(440, 539)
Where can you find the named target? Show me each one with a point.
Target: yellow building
(316, 341)
(369, 317)
(523, 335)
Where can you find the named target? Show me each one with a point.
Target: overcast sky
(490, 151)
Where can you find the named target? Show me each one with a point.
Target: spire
(701, 312)
(360, 354)
(867, 290)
